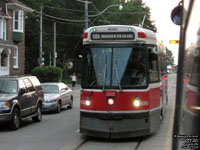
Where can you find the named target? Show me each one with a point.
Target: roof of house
(15, 3)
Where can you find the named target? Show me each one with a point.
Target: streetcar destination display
(112, 36)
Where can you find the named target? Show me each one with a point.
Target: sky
(166, 30)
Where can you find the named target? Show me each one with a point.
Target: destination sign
(112, 36)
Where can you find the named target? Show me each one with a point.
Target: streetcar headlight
(88, 102)
(137, 101)
(111, 101)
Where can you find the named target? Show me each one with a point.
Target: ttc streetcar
(124, 82)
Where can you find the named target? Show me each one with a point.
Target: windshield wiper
(105, 72)
(118, 82)
(4, 92)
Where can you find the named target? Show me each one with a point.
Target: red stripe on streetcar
(151, 38)
(164, 78)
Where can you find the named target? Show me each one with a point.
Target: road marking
(169, 139)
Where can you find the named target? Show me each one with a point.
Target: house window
(18, 20)
(3, 29)
(4, 59)
(15, 58)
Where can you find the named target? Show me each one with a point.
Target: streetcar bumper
(119, 125)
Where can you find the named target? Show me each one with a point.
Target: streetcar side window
(89, 76)
(194, 80)
(153, 67)
(163, 68)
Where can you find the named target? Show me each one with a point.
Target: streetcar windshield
(115, 67)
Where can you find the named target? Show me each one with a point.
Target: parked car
(20, 98)
(56, 96)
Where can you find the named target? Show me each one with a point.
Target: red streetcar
(124, 82)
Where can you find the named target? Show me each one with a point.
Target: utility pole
(41, 52)
(86, 14)
(54, 50)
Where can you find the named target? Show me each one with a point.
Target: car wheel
(38, 118)
(71, 103)
(15, 119)
(58, 107)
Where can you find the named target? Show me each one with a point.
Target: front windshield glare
(8, 86)
(114, 67)
(50, 88)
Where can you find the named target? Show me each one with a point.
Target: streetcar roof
(118, 34)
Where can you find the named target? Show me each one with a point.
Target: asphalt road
(60, 132)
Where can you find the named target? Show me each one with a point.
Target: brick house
(12, 37)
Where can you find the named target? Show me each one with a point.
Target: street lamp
(86, 11)
(114, 5)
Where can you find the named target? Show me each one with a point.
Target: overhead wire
(107, 12)
(60, 19)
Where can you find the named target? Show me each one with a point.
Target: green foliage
(132, 13)
(169, 58)
(48, 73)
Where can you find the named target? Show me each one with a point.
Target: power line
(68, 23)
(108, 12)
(61, 19)
(77, 35)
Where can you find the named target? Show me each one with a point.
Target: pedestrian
(73, 80)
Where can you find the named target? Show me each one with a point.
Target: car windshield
(8, 86)
(50, 88)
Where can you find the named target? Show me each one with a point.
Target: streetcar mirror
(69, 64)
(176, 15)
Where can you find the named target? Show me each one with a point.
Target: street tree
(169, 58)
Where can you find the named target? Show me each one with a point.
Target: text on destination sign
(112, 36)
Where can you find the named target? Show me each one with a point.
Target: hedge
(48, 73)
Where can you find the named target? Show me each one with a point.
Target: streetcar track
(138, 144)
(88, 139)
(81, 144)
